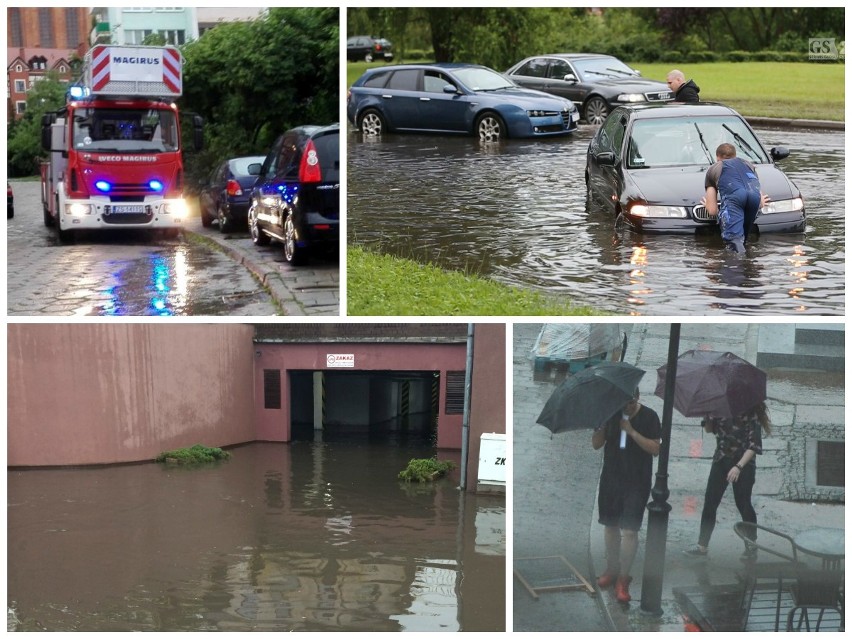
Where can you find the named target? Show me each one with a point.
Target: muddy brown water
(516, 212)
(307, 536)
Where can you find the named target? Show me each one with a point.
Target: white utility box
(493, 460)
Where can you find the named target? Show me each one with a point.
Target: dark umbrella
(715, 384)
(589, 398)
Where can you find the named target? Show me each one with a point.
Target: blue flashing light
(155, 185)
(103, 186)
(76, 92)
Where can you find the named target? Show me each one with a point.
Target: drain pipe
(468, 374)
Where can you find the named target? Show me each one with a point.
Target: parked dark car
(10, 211)
(595, 83)
(455, 98)
(296, 199)
(227, 194)
(647, 164)
(368, 49)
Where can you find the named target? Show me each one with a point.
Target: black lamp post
(659, 508)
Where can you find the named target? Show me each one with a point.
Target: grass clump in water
(423, 470)
(197, 454)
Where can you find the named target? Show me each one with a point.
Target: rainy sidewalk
(793, 399)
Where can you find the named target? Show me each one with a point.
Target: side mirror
(607, 158)
(450, 89)
(197, 132)
(254, 168)
(778, 153)
(570, 77)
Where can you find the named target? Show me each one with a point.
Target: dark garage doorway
(383, 406)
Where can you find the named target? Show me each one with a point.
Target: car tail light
(378, 47)
(309, 170)
(233, 188)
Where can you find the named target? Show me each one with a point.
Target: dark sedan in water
(455, 98)
(647, 165)
(595, 83)
(227, 193)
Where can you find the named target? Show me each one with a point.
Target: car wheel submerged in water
(595, 111)
(372, 123)
(490, 127)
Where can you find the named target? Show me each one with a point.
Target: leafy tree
(253, 80)
(23, 138)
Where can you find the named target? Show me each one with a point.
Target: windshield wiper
(621, 71)
(703, 144)
(745, 146)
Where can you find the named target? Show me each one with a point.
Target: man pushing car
(738, 188)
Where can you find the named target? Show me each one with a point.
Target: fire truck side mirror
(47, 120)
(197, 132)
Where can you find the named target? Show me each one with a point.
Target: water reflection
(308, 536)
(517, 212)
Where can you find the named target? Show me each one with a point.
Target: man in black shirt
(685, 90)
(631, 439)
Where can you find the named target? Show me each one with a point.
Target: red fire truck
(115, 147)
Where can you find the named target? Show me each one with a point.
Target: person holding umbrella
(738, 442)
(631, 439)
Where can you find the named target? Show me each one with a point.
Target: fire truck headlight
(176, 208)
(78, 210)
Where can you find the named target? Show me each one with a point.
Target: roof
(53, 56)
(679, 109)
(354, 332)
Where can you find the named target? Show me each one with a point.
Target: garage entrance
(379, 406)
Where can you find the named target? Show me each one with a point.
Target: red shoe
(621, 592)
(607, 579)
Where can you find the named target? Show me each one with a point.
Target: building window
(455, 393)
(72, 27)
(174, 36)
(45, 29)
(18, 68)
(272, 389)
(137, 9)
(20, 107)
(16, 37)
(136, 36)
(168, 9)
(20, 86)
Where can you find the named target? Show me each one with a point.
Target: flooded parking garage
(309, 536)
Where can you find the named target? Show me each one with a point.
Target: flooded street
(282, 537)
(516, 212)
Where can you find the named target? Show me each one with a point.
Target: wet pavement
(516, 212)
(139, 273)
(282, 537)
(562, 520)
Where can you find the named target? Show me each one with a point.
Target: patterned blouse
(734, 436)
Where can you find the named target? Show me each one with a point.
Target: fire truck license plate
(128, 209)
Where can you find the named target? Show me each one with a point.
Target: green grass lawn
(375, 287)
(768, 89)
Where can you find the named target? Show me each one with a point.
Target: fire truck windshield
(125, 130)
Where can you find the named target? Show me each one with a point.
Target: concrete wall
(274, 424)
(488, 391)
(106, 393)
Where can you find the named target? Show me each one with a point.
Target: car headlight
(646, 210)
(175, 207)
(78, 209)
(542, 114)
(631, 97)
(783, 206)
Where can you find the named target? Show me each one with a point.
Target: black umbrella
(710, 383)
(589, 398)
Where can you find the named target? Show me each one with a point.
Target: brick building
(40, 40)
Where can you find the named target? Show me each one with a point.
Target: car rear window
(404, 80)
(328, 149)
(377, 80)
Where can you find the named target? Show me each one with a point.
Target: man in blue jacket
(733, 182)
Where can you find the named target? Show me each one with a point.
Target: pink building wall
(274, 424)
(107, 393)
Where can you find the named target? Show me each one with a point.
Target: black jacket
(688, 92)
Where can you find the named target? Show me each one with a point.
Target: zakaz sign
(335, 360)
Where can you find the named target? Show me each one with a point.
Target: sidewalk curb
(794, 123)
